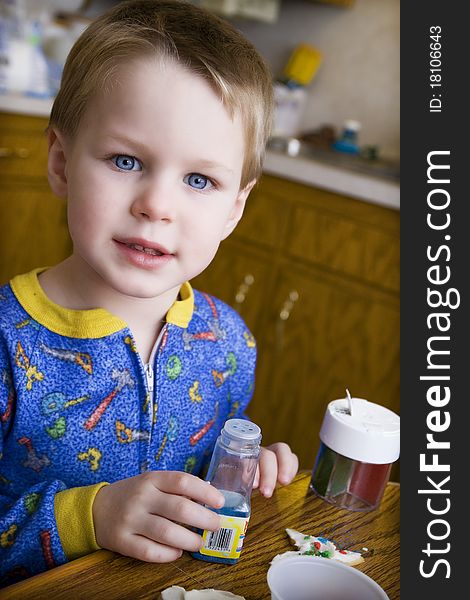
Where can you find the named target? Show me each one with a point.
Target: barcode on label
(221, 540)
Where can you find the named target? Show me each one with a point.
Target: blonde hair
(176, 30)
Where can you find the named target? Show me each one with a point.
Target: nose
(153, 201)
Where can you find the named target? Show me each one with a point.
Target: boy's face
(152, 179)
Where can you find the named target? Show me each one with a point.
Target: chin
(141, 288)
(138, 291)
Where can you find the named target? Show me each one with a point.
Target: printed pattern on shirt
(75, 412)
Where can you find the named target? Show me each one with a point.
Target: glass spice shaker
(232, 471)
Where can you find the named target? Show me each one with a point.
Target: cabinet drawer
(346, 245)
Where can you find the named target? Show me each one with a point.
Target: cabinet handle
(284, 314)
(243, 290)
(14, 152)
(288, 305)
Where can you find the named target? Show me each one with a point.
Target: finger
(183, 510)
(170, 534)
(256, 479)
(143, 548)
(185, 484)
(294, 467)
(267, 472)
(287, 462)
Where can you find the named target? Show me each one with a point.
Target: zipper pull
(149, 377)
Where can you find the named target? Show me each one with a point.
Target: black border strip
(434, 254)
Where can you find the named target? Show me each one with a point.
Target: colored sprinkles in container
(359, 442)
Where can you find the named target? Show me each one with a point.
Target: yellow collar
(181, 311)
(93, 323)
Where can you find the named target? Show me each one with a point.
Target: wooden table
(107, 575)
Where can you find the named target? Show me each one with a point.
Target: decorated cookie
(309, 545)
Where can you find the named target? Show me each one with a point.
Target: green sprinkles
(315, 552)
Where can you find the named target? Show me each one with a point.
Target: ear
(57, 163)
(238, 209)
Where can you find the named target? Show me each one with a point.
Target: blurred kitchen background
(314, 265)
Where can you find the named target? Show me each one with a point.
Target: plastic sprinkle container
(360, 441)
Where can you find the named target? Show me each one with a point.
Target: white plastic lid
(352, 125)
(371, 433)
(242, 429)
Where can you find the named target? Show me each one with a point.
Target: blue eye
(198, 181)
(126, 163)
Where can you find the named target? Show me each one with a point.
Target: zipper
(149, 377)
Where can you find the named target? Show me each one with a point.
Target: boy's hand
(140, 516)
(276, 463)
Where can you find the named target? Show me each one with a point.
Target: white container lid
(352, 125)
(371, 433)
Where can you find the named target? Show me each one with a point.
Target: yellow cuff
(74, 517)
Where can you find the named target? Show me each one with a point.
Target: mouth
(144, 246)
(139, 248)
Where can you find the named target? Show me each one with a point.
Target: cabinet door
(242, 279)
(34, 229)
(336, 335)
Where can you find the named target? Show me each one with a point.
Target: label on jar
(226, 542)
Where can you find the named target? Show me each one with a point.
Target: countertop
(340, 174)
(324, 170)
(25, 105)
(104, 574)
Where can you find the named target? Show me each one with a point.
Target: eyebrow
(210, 164)
(201, 163)
(126, 140)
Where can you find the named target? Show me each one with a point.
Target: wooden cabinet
(323, 304)
(34, 226)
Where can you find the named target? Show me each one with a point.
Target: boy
(116, 376)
